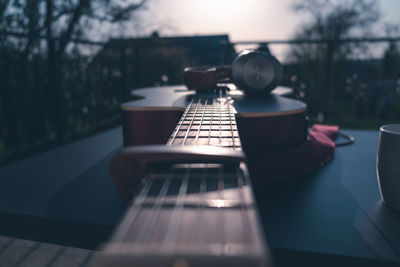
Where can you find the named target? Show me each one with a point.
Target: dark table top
(335, 211)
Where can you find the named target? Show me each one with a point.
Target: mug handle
(350, 140)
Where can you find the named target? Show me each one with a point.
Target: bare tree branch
(62, 19)
(65, 37)
(32, 11)
(119, 13)
(3, 6)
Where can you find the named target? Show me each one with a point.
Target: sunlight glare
(220, 8)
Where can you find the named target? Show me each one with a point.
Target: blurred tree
(391, 56)
(44, 93)
(385, 99)
(60, 22)
(329, 21)
(65, 19)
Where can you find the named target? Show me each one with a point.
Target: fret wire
(191, 123)
(176, 217)
(152, 218)
(172, 139)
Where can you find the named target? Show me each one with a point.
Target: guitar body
(265, 123)
(183, 172)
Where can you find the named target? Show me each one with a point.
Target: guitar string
(176, 216)
(205, 108)
(172, 231)
(202, 191)
(178, 127)
(212, 117)
(198, 106)
(127, 224)
(220, 117)
(139, 207)
(203, 185)
(245, 220)
(221, 215)
(182, 121)
(157, 207)
(179, 200)
(230, 121)
(155, 211)
(228, 110)
(239, 178)
(190, 124)
(201, 122)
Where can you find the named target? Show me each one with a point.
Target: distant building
(126, 64)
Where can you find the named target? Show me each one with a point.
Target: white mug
(388, 165)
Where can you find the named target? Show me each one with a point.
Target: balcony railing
(47, 100)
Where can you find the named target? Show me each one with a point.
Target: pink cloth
(294, 162)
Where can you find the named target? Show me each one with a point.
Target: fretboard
(208, 120)
(190, 214)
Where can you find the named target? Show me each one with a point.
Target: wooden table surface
(27, 253)
(65, 196)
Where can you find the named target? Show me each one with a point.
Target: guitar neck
(193, 214)
(208, 120)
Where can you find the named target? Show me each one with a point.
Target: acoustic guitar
(183, 171)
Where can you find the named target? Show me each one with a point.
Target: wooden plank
(27, 253)
(17, 251)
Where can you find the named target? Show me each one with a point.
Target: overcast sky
(241, 19)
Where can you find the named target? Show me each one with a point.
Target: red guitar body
(194, 205)
(265, 123)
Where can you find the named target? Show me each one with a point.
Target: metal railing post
(122, 67)
(326, 90)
